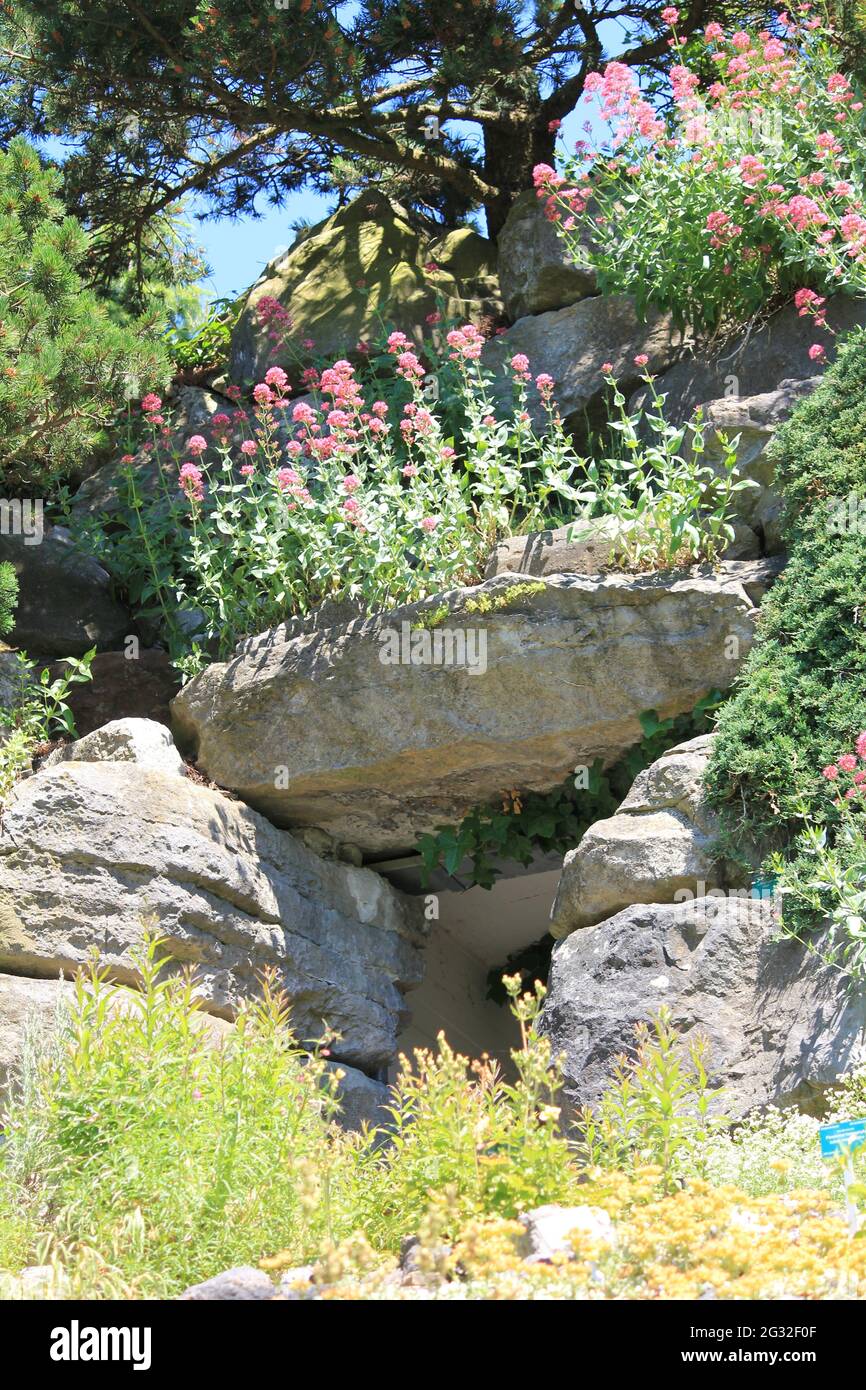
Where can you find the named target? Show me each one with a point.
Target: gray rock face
(781, 1025)
(571, 345)
(659, 842)
(316, 730)
(754, 419)
(65, 603)
(141, 741)
(550, 1229)
(590, 547)
(90, 853)
(756, 362)
(536, 273)
(244, 1283)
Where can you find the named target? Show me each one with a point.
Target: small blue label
(842, 1138)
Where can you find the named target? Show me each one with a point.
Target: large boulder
(755, 362)
(91, 852)
(65, 599)
(781, 1025)
(365, 265)
(141, 741)
(536, 272)
(341, 729)
(572, 344)
(660, 841)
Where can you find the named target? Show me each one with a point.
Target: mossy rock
(361, 269)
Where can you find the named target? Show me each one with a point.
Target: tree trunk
(510, 154)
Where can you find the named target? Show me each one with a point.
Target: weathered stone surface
(123, 688)
(362, 1100)
(536, 272)
(571, 344)
(659, 841)
(781, 1025)
(589, 547)
(241, 1284)
(140, 741)
(365, 264)
(754, 420)
(549, 1230)
(316, 730)
(756, 362)
(65, 602)
(91, 852)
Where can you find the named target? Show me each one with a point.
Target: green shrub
(65, 365)
(801, 698)
(8, 597)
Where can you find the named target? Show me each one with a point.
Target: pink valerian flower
(434, 318)
(196, 445)
(520, 366)
(831, 772)
(860, 745)
(544, 385)
(304, 414)
(817, 352)
(249, 446)
(247, 470)
(276, 377)
(191, 482)
(151, 402)
(607, 368)
(397, 342)
(233, 392)
(714, 32)
(429, 523)
(553, 127)
(847, 762)
(641, 360)
(262, 394)
(447, 453)
(409, 470)
(127, 459)
(670, 14)
(379, 408)
(408, 366)
(466, 342)
(351, 483)
(827, 143)
(288, 480)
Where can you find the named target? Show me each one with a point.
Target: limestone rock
(659, 842)
(244, 1283)
(549, 1230)
(536, 272)
(65, 600)
(571, 345)
(90, 853)
(754, 420)
(315, 729)
(588, 547)
(755, 362)
(781, 1025)
(140, 741)
(365, 264)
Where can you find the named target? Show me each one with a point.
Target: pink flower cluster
(854, 775)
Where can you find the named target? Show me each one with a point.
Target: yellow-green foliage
(148, 1147)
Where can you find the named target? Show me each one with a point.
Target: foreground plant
(37, 712)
